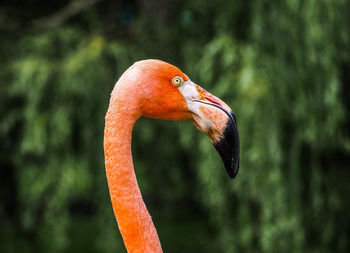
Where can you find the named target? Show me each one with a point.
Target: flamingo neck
(134, 221)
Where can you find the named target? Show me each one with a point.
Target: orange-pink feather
(145, 89)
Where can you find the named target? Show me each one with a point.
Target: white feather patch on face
(190, 93)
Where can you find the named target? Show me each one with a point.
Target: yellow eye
(177, 81)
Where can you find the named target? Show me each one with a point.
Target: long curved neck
(134, 221)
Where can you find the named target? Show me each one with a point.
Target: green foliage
(282, 66)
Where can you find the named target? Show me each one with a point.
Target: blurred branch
(58, 18)
(75, 7)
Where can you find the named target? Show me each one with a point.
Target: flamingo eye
(177, 81)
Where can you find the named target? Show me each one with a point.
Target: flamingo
(156, 89)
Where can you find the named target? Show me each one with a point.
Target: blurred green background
(282, 66)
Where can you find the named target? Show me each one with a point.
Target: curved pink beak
(216, 119)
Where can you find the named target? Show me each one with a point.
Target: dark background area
(282, 66)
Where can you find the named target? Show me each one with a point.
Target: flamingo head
(168, 93)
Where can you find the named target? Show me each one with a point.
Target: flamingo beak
(214, 118)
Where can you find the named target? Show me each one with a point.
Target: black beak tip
(232, 168)
(228, 147)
